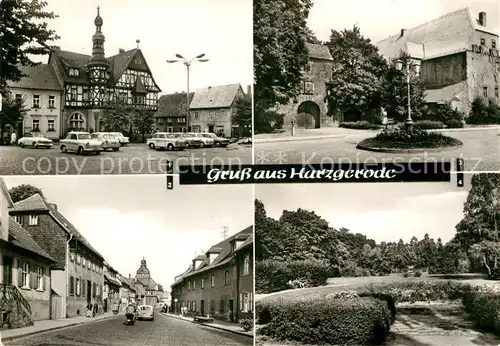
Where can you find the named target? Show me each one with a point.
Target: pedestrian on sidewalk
(13, 138)
(89, 310)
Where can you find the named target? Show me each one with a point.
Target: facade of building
(25, 266)
(310, 108)
(458, 58)
(127, 293)
(219, 283)
(146, 287)
(112, 285)
(212, 109)
(172, 112)
(42, 95)
(94, 84)
(77, 276)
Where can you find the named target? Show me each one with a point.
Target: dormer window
(138, 60)
(33, 220)
(19, 219)
(74, 72)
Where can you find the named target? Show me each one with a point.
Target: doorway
(7, 270)
(202, 307)
(231, 310)
(89, 290)
(308, 115)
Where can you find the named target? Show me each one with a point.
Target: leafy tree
(357, 71)
(487, 252)
(243, 116)
(395, 91)
(143, 121)
(21, 192)
(118, 117)
(311, 37)
(280, 52)
(24, 32)
(12, 113)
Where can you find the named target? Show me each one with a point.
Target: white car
(121, 138)
(146, 312)
(80, 142)
(219, 141)
(165, 140)
(109, 140)
(35, 140)
(205, 139)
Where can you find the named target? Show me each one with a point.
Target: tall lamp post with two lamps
(187, 63)
(410, 66)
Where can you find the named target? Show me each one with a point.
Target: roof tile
(221, 96)
(41, 77)
(22, 238)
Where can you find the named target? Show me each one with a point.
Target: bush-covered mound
(273, 276)
(359, 125)
(330, 320)
(398, 138)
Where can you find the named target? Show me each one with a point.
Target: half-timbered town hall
(92, 85)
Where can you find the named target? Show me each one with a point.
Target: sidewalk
(221, 325)
(49, 325)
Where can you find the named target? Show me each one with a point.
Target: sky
(222, 29)
(381, 211)
(127, 218)
(379, 19)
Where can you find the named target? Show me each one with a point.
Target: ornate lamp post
(187, 63)
(410, 67)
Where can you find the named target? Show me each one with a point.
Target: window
(227, 277)
(485, 91)
(78, 259)
(19, 97)
(19, 219)
(181, 120)
(36, 101)
(73, 93)
(72, 256)
(36, 125)
(219, 128)
(483, 41)
(194, 306)
(496, 92)
(78, 287)
(76, 121)
(93, 266)
(74, 72)
(51, 125)
(138, 60)
(84, 261)
(245, 302)
(33, 220)
(88, 264)
(39, 278)
(71, 285)
(493, 44)
(308, 88)
(211, 115)
(212, 280)
(84, 287)
(202, 282)
(246, 265)
(196, 115)
(94, 288)
(250, 301)
(52, 102)
(194, 285)
(189, 285)
(25, 275)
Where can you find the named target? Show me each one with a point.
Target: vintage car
(121, 138)
(219, 141)
(191, 140)
(80, 142)
(35, 140)
(146, 312)
(165, 140)
(207, 141)
(109, 140)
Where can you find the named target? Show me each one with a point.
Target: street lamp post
(410, 67)
(187, 63)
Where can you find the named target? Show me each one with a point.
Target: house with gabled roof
(95, 84)
(212, 109)
(309, 109)
(25, 280)
(77, 274)
(220, 282)
(458, 58)
(172, 112)
(42, 95)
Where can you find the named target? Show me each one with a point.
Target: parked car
(80, 142)
(218, 141)
(165, 140)
(35, 140)
(109, 140)
(123, 140)
(146, 312)
(192, 140)
(206, 140)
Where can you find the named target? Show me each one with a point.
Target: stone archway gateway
(308, 115)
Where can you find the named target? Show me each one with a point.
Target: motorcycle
(130, 314)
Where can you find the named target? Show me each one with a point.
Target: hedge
(428, 125)
(359, 125)
(273, 276)
(335, 321)
(484, 309)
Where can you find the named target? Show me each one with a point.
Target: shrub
(413, 291)
(267, 121)
(455, 124)
(483, 307)
(246, 325)
(406, 275)
(359, 125)
(418, 274)
(429, 125)
(495, 274)
(483, 114)
(353, 321)
(274, 276)
(399, 138)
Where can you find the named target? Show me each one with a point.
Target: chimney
(482, 19)
(121, 50)
(403, 32)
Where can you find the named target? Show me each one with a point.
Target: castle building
(92, 85)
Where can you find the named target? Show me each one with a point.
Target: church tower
(98, 66)
(143, 271)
